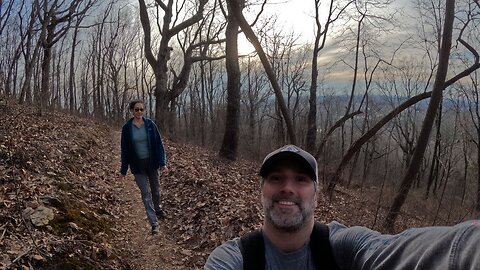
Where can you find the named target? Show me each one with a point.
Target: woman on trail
(142, 149)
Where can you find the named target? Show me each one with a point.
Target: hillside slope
(67, 166)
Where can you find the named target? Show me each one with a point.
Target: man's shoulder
(226, 256)
(337, 229)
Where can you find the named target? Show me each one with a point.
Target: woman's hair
(132, 103)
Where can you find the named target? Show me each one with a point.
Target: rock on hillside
(55, 192)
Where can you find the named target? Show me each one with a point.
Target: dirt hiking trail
(147, 251)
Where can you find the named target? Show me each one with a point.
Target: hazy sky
(297, 16)
(293, 15)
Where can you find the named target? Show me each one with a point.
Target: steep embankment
(67, 166)
(56, 198)
(63, 207)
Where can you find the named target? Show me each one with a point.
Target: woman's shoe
(154, 229)
(160, 214)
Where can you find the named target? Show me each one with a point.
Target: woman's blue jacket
(155, 147)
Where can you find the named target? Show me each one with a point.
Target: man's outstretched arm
(454, 247)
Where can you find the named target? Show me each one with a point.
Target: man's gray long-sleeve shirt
(456, 247)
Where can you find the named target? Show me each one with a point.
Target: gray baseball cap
(294, 154)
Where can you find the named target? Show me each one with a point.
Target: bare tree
(319, 44)
(205, 93)
(293, 69)
(229, 146)
(71, 79)
(254, 95)
(471, 96)
(367, 27)
(434, 172)
(356, 146)
(119, 50)
(5, 13)
(247, 30)
(53, 14)
(159, 62)
(288, 59)
(214, 98)
(12, 48)
(29, 56)
(404, 80)
(450, 158)
(435, 100)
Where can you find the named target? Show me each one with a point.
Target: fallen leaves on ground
(68, 164)
(55, 163)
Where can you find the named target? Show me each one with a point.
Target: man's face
(289, 198)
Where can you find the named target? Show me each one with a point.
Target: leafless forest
(385, 94)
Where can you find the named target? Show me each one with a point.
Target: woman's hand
(164, 170)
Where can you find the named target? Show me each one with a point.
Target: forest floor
(69, 166)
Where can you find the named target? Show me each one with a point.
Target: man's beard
(288, 220)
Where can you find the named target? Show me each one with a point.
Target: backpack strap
(320, 247)
(253, 250)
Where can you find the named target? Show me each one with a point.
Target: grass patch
(89, 222)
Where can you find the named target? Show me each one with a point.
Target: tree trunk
(45, 83)
(94, 81)
(477, 205)
(434, 169)
(100, 111)
(466, 164)
(229, 146)
(159, 63)
(161, 100)
(71, 78)
(428, 121)
(312, 102)
(203, 111)
(247, 30)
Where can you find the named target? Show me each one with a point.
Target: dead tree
(55, 19)
(320, 39)
(5, 13)
(229, 146)
(247, 30)
(356, 146)
(428, 122)
(163, 94)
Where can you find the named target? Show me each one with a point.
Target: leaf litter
(69, 165)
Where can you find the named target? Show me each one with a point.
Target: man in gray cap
(289, 197)
(291, 239)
